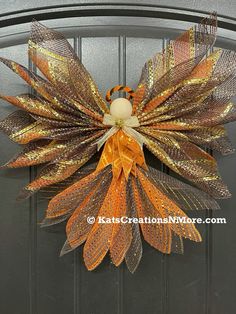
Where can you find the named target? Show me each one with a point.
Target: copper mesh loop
(15, 122)
(97, 194)
(134, 253)
(191, 162)
(169, 68)
(56, 59)
(184, 195)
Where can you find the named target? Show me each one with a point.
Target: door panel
(14, 216)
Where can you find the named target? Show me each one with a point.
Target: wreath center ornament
(124, 145)
(120, 117)
(121, 109)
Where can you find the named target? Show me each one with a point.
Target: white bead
(121, 108)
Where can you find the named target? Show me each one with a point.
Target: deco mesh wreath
(181, 103)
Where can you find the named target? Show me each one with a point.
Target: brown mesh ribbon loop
(118, 88)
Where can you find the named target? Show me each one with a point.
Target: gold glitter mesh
(191, 162)
(168, 69)
(57, 61)
(184, 195)
(79, 201)
(134, 253)
(15, 122)
(98, 241)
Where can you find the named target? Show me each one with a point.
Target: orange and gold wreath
(179, 107)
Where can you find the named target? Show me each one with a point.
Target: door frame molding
(107, 19)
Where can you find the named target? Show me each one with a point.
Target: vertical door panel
(223, 272)
(14, 215)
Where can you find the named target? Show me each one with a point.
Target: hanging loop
(119, 88)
